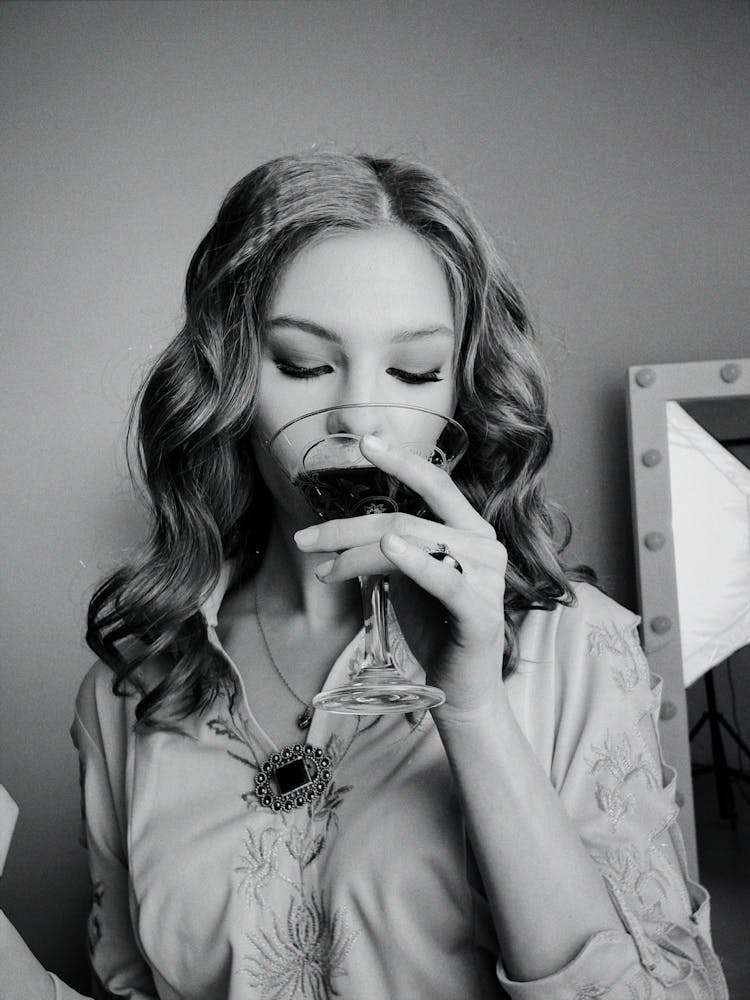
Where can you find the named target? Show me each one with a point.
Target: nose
(357, 419)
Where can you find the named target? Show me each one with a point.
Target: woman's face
(361, 317)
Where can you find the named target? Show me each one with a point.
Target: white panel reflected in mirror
(710, 490)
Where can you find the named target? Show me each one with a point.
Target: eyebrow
(320, 331)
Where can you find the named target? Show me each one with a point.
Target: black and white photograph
(375, 470)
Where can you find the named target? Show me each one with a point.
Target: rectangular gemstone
(291, 776)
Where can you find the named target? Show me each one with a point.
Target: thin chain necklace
(304, 718)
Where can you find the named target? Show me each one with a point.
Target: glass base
(379, 692)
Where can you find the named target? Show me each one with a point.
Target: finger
(431, 482)
(370, 559)
(365, 560)
(353, 532)
(439, 579)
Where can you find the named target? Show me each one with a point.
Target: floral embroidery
(615, 805)
(617, 760)
(629, 668)
(638, 878)
(231, 730)
(94, 925)
(606, 639)
(303, 955)
(626, 675)
(259, 864)
(82, 834)
(640, 987)
(299, 955)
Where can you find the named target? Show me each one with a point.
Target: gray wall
(605, 144)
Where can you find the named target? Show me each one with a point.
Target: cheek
(263, 425)
(445, 399)
(279, 401)
(282, 400)
(270, 472)
(272, 475)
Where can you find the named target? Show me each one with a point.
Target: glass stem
(375, 601)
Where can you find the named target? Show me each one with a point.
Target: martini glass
(320, 455)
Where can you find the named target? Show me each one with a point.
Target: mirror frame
(649, 388)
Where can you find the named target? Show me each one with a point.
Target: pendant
(304, 720)
(292, 777)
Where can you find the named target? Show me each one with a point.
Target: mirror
(689, 426)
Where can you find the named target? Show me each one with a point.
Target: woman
(518, 840)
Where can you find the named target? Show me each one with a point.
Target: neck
(288, 585)
(290, 591)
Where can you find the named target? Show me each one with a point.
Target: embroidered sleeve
(118, 968)
(614, 784)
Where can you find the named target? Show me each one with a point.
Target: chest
(281, 671)
(237, 887)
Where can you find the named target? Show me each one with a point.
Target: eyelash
(410, 378)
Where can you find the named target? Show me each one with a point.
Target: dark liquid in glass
(359, 489)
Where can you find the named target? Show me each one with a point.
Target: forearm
(545, 893)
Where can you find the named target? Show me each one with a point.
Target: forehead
(378, 280)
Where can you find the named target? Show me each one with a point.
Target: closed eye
(294, 371)
(415, 378)
(410, 378)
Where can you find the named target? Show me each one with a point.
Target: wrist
(477, 721)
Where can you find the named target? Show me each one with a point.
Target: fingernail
(324, 569)
(395, 543)
(308, 536)
(374, 443)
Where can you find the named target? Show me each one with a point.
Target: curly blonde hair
(192, 416)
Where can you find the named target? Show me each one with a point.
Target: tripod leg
(727, 808)
(735, 736)
(698, 726)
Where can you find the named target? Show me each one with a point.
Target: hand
(468, 659)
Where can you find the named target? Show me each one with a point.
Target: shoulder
(593, 602)
(559, 637)
(584, 659)
(591, 615)
(587, 683)
(594, 636)
(96, 686)
(602, 679)
(102, 718)
(102, 733)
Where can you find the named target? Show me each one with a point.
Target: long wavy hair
(191, 419)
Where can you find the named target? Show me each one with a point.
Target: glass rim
(362, 406)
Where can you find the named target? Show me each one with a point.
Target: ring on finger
(442, 553)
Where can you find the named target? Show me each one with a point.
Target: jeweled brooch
(292, 777)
